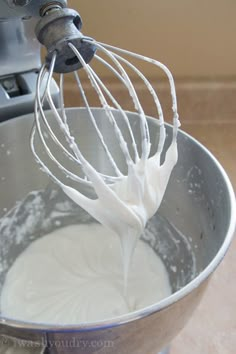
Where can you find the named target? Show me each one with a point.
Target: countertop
(212, 329)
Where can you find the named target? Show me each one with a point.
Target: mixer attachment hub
(56, 29)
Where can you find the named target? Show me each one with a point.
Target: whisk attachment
(57, 28)
(134, 193)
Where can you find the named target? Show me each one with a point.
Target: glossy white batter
(75, 275)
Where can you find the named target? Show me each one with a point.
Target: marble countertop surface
(212, 329)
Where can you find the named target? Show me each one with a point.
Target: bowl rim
(164, 303)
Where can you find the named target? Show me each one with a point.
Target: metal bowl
(191, 232)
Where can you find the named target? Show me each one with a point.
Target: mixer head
(57, 28)
(20, 57)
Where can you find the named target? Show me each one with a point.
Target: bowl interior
(187, 232)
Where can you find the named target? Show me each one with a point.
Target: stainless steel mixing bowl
(191, 232)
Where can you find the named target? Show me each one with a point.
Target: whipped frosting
(75, 275)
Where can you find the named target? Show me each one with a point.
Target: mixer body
(20, 56)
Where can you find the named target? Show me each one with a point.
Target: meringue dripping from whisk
(124, 199)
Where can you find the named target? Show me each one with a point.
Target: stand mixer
(197, 214)
(20, 55)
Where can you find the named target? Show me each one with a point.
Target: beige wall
(195, 38)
